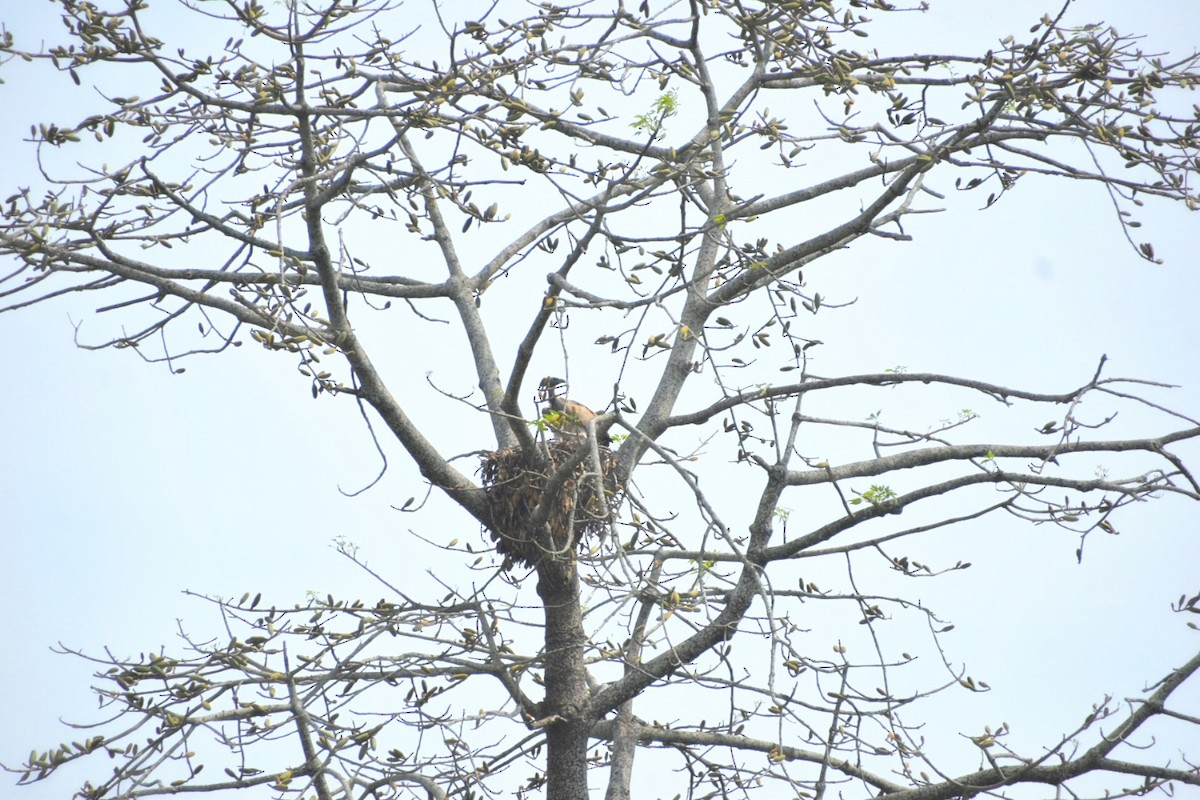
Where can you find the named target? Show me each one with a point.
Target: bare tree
(617, 169)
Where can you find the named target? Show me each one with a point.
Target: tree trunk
(565, 710)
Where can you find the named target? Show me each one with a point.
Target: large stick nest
(517, 483)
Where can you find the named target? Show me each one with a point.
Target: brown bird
(568, 418)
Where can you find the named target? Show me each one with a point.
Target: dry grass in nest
(516, 485)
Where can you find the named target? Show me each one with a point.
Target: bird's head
(551, 387)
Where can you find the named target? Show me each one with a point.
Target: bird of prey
(568, 418)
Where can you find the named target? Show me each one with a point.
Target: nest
(516, 484)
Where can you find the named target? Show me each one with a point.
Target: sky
(123, 486)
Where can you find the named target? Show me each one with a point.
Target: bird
(568, 418)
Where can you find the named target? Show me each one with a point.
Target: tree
(299, 168)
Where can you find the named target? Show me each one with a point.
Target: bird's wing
(577, 413)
